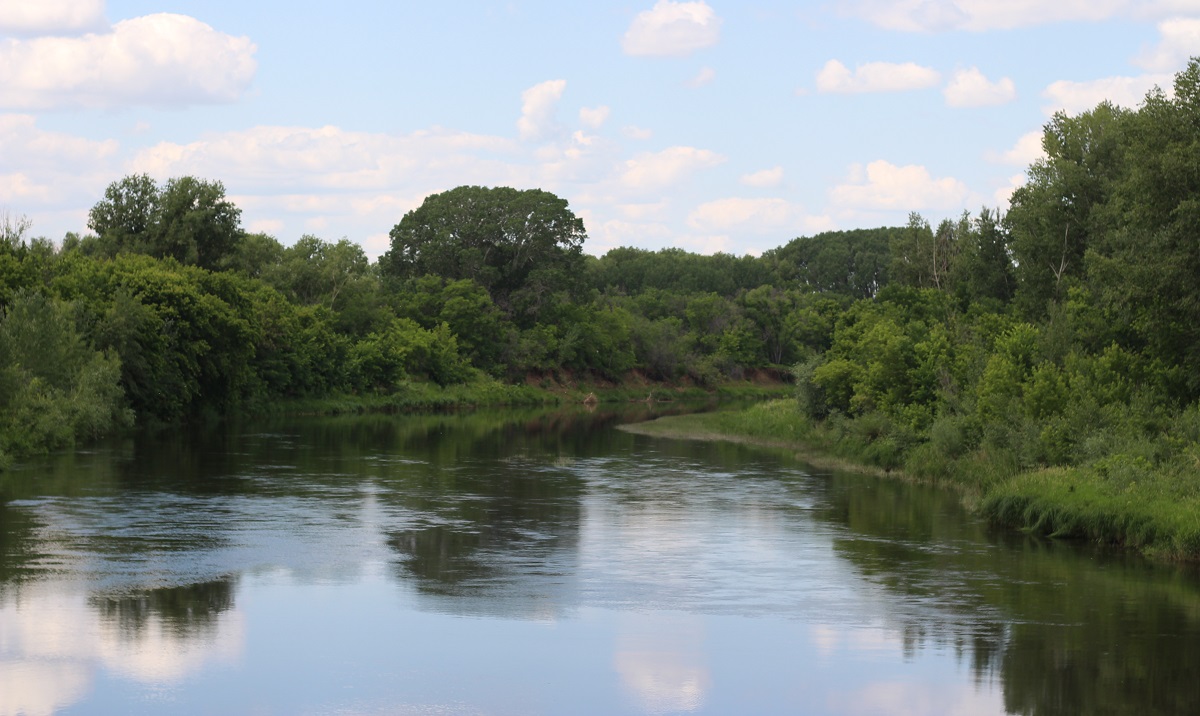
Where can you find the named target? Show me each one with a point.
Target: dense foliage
(1045, 361)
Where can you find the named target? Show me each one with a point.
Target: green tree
(187, 219)
(255, 255)
(1145, 270)
(1063, 206)
(54, 388)
(184, 334)
(985, 269)
(522, 246)
(850, 263)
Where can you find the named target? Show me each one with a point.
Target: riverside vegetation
(1043, 363)
(1042, 360)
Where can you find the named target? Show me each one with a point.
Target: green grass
(1084, 503)
(776, 423)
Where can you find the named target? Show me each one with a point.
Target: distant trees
(970, 259)
(853, 263)
(631, 270)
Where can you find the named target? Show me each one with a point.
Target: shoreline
(1072, 503)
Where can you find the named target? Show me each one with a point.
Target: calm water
(549, 564)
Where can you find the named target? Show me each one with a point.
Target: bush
(54, 389)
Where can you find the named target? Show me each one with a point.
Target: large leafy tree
(1062, 209)
(186, 218)
(1146, 268)
(523, 246)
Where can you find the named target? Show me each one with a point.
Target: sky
(707, 126)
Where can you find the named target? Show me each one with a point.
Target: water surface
(545, 563)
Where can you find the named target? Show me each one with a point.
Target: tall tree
(187, 219)
(522, 246)
(1146, 268)
(1058, 212)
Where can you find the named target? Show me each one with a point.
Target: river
(547, 563)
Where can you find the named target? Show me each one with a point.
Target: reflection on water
(661, 661)
(544, 563)
(55, 638)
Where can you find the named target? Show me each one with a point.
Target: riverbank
(416, 396)
(1129, 503)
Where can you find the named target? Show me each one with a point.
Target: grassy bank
(1154, 509)
(416, 396)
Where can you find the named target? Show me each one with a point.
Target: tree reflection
(18, 546)
(1066, 628)
(187, 611)
(493, 523)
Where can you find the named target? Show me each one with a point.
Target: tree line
(168, 310)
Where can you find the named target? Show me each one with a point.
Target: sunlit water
(549, 564)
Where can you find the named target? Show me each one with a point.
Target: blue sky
(709, 126)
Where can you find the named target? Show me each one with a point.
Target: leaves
(521, 246)
(186, 219)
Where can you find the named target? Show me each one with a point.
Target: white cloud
(537, 108)
(271, 227)
(705, 76)
(51, 17)
(907, 188)
(284, 178)
(583, 159)
(1154, 9)
(30, 147)
(594, 117)
(55, 168)
(756, 216)
(658, 170)
(639, 133)
(1180, 40)
(914, 697)
(17, 188)
(640, 211)
(1003, 196)
(765, 178)
(672, 29)
(980, 15)
(275, 158)
(1026, 151)
(1077, 97)
(357, 182)
(706, 244)
(160, 60)
(41, 688)
(835, 77)
(970, 88)
(605, 235)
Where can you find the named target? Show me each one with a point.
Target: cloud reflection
(911, 698)
(661, 661)
(40, 688)
(55, 639)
